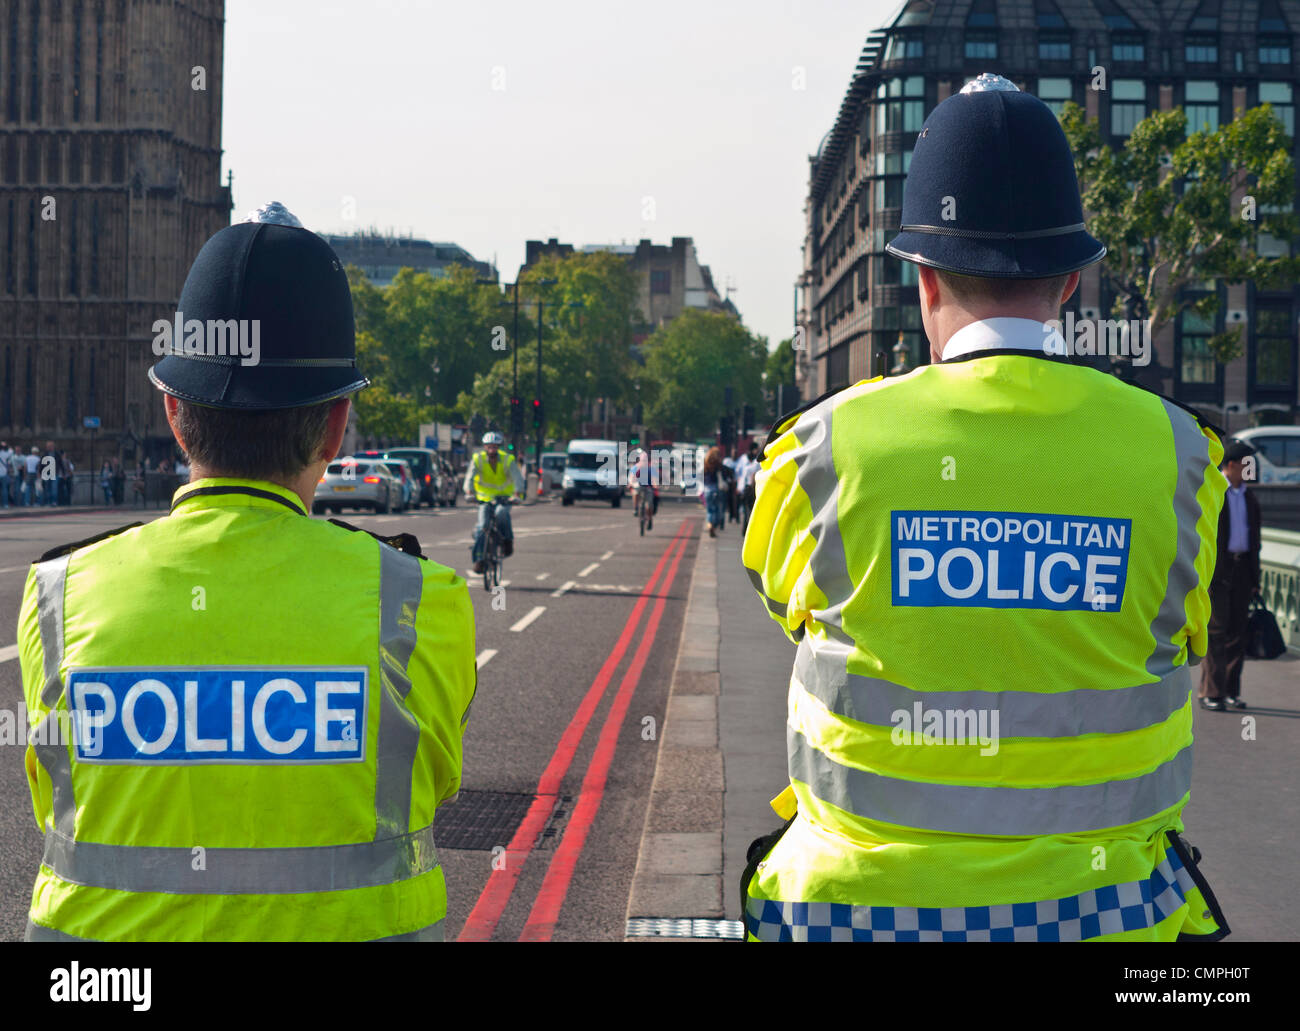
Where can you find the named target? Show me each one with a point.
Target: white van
(591, 471)
(1278, 453)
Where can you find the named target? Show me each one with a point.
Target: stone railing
(1279, 569)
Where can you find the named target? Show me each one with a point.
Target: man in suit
(1235, 582)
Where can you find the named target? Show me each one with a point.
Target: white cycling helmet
(493, 438)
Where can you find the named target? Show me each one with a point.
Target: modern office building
(110, 169)
(380, 256)
(858, 307)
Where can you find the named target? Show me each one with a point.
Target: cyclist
(490, 477)
(640, 476)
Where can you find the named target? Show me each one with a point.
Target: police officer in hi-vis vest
(244, 718)
(990, 713)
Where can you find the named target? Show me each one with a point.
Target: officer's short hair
(278, 443)
(974, 290)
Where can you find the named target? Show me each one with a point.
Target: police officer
(990, 722)
(244, 718)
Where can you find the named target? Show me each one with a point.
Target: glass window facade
(1127, 105)
(1201, 105)
(1282, 97)
(1197, 364)
(1055, 92)
(1275, 353)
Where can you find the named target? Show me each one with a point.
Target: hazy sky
(491, 122)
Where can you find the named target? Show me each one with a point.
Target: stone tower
(110, 182)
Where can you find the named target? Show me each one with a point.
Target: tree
(405, 329)
(692, 360)
(779, 373)
(1163, 206)
(589, 315)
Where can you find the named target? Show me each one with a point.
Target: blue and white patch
(1009, 560)
(219, 714)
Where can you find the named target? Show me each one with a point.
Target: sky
(491, 122)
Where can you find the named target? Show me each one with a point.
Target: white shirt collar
(1005, 332)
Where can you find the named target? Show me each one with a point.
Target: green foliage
(691, 361)
(1163, 205)
(407, 327)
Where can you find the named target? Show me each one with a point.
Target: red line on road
(492, 901)
(555, 886)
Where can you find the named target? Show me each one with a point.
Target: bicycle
(492, 548)
(645, 509)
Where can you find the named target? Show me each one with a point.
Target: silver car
(356, 483)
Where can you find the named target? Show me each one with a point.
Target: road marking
(495, 896)
(559, 872)
(609, 587)
(9, 653)
(540, 576)
(589, 569)
(483, 657)
(567, 584)
(607, 556)
(505, 583)
(14, 569)
(530, 531)
(523, 623)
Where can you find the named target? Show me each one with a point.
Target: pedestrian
(106, 481)
(712, 489)
(31, 484)
(746, 470)
(119, 482)
(962, 569)
(67, 476)
(729, 479)
(1235, 582)
(140, 482)
(6, 473)
(320, 676)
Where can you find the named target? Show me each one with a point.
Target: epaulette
(786, 421)
(66, 549)
(406, 542)
(1201, 420)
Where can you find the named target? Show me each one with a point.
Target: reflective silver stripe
(1020, 713)
(51, 579)
(779, 607)
(37, 933)
(1192, 459)
(1017, 812)
(815, 462)
(40, 933)
(401, 580)
(432, 933)
(241, 871)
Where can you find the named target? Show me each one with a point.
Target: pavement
(722, 759)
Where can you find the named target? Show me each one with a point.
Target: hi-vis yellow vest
(490, 483)
(265, 712)
(996, 571)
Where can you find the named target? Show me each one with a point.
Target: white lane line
(540, 531)
(565, 587)
(589, 569)
(9, 653)
(15, 569)
(483, 657)
(523, 623)
(505, 583)
(607, 556)
(540, 576)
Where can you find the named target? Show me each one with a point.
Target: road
(557, 636)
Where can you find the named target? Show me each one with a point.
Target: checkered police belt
(1109, 910)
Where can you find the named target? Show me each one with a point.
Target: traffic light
(727, 430)
(537, 415)
(516, 415)
(634, 441)
(749, 419)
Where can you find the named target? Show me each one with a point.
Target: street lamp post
(537, 443)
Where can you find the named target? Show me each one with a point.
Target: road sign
(90, 422)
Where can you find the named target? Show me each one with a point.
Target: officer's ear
(336, 428)
(170, 406)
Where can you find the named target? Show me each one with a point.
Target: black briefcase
(1263, 638)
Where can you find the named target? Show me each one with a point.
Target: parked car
(1278, 458)
(424, 464)
(356, 483)
(553, 463)
(448, 483)
(591, 471)
(410, 489)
